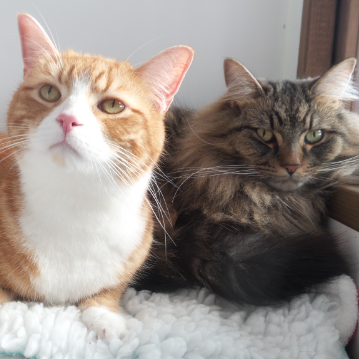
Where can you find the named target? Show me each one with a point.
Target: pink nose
(291, 168)
(68, 122)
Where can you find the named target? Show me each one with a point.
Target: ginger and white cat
(84, 133)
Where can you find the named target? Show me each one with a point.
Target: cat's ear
(240, 82)
(336, 84)
(165, 72)
(34, 41)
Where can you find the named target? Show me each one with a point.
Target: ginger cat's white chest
(81, 232)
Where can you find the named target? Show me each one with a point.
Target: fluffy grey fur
(251, 177)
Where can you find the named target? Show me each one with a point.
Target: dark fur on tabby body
(249, 215)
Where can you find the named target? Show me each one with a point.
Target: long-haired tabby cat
(83, 135)
(251, 176)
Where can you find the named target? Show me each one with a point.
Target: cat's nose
(291, 168)
(68, 122)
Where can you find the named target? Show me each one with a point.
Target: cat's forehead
(290, 105)
(100, 74)
(287, 96)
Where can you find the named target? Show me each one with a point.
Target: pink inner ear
(165, 73)
(34, 41)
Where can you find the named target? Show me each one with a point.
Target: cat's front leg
(5, 296)
(102, 314)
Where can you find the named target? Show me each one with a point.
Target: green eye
(50, 93)
(265, 135)
(314, 136)
(112, 106)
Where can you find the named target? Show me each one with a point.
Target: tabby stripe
(306, 118)
(342, 135)
(60, 76)
(99, 76)
(280, 120)
(271, 120)
(311, 121)
(71, 70)
(28, 88)
(231, 131)
(109, 84)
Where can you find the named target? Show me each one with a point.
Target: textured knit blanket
(190, 324)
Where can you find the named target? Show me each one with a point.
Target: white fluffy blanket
(190, 324)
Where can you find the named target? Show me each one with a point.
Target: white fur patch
(106, 324)
(81, 224)
(81, 230)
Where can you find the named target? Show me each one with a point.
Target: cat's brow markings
(99, 76)
(104, 80)
(109, 84)
(279, 118)
(307, 118)
(311, 119)
(70, 71)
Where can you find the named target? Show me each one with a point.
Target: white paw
(107, 324)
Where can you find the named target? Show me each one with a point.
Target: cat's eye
(50, 93)
(314, 136)
(112, 106)
(265, 135)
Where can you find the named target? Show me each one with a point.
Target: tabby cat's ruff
(252, 176)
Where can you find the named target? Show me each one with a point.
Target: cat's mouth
(286, 184)
(63, 148)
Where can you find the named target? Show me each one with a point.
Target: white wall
(263, 35)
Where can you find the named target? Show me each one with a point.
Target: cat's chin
(285, 185)
(64, 149)
(68, 158)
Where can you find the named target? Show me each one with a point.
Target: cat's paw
(106, 323)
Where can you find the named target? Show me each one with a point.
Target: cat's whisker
(189, 125)
(162, 213)
(224, 167)
(107, 174)
(166, 210)
(148, 42)
(119, 172)
(11, 154)
(135, 65)
(203, 172)
(46, 24)
(45, 53)
(341, 163)
(18, 125)
(161, 224)
(156, 168)
(132, 170)
(6, 143)
(98, 173)
(12, 145)
(127, 165)
(211, 173)
(57, 64)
